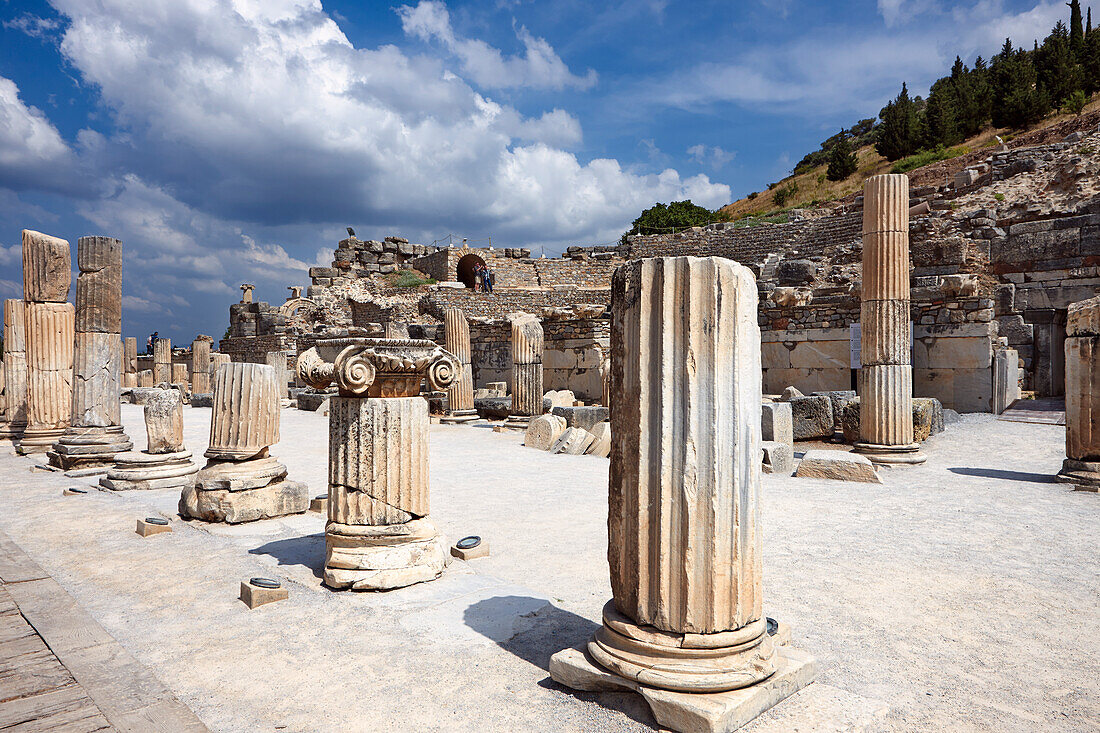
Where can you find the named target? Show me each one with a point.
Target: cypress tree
(1057, 72)
(842, 161)
(1076, 32)
(1091, 64)
(1017, 100)
(941, 126)
(900, 126)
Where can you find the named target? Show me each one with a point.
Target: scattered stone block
(543, 431)
(776, 422)
(601, 440)
(560, 398)
(150, 526)
(839, 398)
(585, 418)
(790, 393)
(493, 408)
(255, 596)
(838, 466)
(928, 419)
(778, 457)
(812, 417)
(203, 399)
(573, 442)
(481, 549)
(319, 504)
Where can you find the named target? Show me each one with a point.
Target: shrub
(783, 194)
(408, 279)
(999, 196)
(1075, 103)
(924, 157)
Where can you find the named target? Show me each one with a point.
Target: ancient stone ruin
(1082, 463)
(165, 463)
(379, 535)
(15, 372)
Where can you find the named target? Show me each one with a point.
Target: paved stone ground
(962, 594)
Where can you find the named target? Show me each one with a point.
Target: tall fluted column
(15, 372)
(886, 396)
(162, 361)
(684, 494)
(49, 333)
(95, 436)
(378, 535)
(241, 481)
(278, 361)
(200, 364)
(526, 370)
(129, 362)
(1082, 464)
(460, 395)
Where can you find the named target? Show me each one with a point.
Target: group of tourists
(149, 342)
(483, 278)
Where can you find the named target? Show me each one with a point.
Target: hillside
(814, 189)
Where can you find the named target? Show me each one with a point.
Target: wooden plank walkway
(1044, 411)
(61, 671)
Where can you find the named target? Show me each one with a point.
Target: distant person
(488, 280)
(479, 278)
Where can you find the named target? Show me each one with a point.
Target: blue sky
(227, 141)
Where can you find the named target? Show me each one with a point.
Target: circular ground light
(156, 520)
(468, 543)
(265, 583)
(321, 496)
(75, 490)
(773, 626)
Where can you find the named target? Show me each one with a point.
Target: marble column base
(698, 712)
(518, 422)
(143, 471)
(89, 447)
(1084, 474)
(891, 454)
(12, 431)
(243, 491)
(383, 557)
(459, 416)
(37, 440)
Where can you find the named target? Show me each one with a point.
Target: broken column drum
(95, 436)
(686, 618)
(241, 481)
(379, 535)
(48, 335)
(129, 362)
(460, 395)
(200, 365)
(15, 372)
(165, 463)
(886, 396)
(1082, 463)
(526, 370)
(162, 361)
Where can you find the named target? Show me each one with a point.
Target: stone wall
(574, 357)
(500, 304)
(513, 268)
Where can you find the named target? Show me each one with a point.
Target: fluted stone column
(379, 535)
(1082, 463)
(129, 362)
(162, 361)
(526, 370)
(217, 361)
(200, 364)
(49, 333)
(180, 375)
(684, 498)
(95, 436)
(241, 481)
(460, 395)
(886, 396)
(15, 371)
(278, 361)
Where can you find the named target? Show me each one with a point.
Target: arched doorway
(465, 269)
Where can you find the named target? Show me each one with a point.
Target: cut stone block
(776, 422)
(601, 441)
(837, 465)
(585, 418)
(812, 417)
(572, 442)
(148, 529)
(543, 431)
(482, 550)
(778, 457)
(254, 596)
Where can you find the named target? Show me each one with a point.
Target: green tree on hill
(899, 134)
(1017, 100)
(1076, 32)
(1057, 73)
(941, 115)
(842, 161)
(662, 219)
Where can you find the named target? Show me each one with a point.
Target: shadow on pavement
(307, 551)
(540, 634)
(1036, 478)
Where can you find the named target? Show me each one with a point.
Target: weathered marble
(180, 375)
(277, 360)
(245, 418)
(15, 371)
(543, 431)
(162, 361)
(200, 364)
(49, 341)
(144, 471)
(99, 285)
(129, 355)
(687, 613)
(1082, 464)
(886, 375)
(164, 421)
(527, 339)
(460, 395)
(47, 269)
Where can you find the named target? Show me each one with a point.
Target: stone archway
(464, 271)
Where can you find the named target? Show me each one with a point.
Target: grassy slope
(814, 188)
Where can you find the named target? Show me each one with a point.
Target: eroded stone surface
(543, 431)
(164, 421)
(837, 465)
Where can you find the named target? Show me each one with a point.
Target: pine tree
(842, 161)
(1091, 65)
(1057, 72)
(900, 127)
(1017, 100)
(941, 125)
(1076, 32)
(1088, 24)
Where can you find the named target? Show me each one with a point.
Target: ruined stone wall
(500, 304)
(491, 352)
(575, 354)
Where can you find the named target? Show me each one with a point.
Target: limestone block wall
(500, 304)
(491, 352)
(575, 354)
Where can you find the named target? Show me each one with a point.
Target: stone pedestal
(1082, 464)
(277, 360)
(15, 372)
(460, 395)
(165, 463)
(162, 361)
(886, 378)
(241, 482)
(685, 625)
(379, 535)
(200, 365)
(95, 436)
(526, 370)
